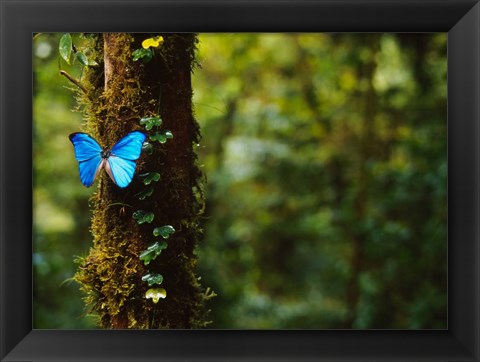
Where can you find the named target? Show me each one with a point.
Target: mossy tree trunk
(121, 92)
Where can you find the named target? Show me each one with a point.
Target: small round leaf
(155, 294)
(164, 231)
(152, 279)
(152, 252)
(150, 177)
(143, 216)
(142, 195)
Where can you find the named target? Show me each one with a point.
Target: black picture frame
(20, 18)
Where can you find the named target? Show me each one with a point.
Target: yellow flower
(152, 42)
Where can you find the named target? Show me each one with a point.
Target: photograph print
(259, 181)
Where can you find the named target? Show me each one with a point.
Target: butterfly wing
(87, 153)
(89, 170)
(120, 170)
(121, 164)
(85, 146)
(130, 146)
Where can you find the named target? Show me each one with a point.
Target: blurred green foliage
(325, 158)
(61, 213)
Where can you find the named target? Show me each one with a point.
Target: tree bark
(111, 275)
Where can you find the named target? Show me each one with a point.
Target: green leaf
(149, 177)
(81, 58)
(155, 294)
(159, 137)
(144, 54)
(152, 279)
(143, 216)
(150, 122)
(152, 251)
(65, 47)
(147, 148)
(142, 195)
(164, 231)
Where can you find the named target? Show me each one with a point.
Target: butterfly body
(119, 162)
(105, 153)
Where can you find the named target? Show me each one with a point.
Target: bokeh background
(325, 158)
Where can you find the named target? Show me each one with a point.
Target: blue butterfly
(119, 162)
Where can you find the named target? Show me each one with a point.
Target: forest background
(325, 162)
